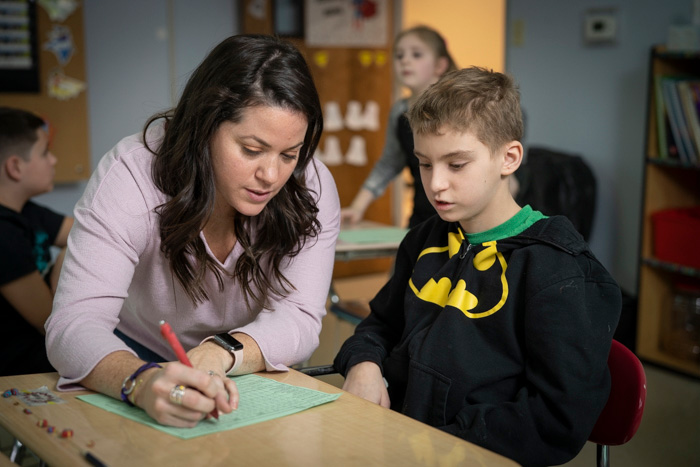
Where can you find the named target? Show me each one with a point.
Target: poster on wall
(19, 58)
(346, 23)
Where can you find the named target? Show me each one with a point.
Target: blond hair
(475, 99)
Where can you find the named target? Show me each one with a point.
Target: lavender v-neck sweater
(115, 276)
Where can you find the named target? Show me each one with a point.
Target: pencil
(167, 332)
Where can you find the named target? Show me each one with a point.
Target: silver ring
(213, 373)
(176, 394)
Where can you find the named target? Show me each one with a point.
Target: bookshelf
(670, 181)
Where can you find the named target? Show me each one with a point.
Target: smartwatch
(232, 345)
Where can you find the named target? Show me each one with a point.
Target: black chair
(558, 183)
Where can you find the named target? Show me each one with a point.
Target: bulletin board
(19, 57)
(355, 86)
(61, 97)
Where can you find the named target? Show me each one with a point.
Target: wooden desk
(348, 431)
(346, 251)
(355, 311)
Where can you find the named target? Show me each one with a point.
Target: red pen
(167, 332)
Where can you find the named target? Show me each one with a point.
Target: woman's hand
(365, 380)
(211, 357)
(158, 394)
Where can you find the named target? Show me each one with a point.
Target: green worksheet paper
(378, 235)
(261, 399)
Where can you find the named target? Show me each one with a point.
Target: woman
(217, 220)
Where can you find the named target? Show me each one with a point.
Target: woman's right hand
(366, 381)
(203, 392)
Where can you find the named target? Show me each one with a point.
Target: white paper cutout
(332, 118)
(59, 10)
(371, 116)
(331, 154)
(63, 87)
(357, 152)
(356, 119)
(353, 116)
(60, 43)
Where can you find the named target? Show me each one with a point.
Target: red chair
(622, 414)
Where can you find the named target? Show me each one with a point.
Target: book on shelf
(679, 127)
(690, 104)
(667, 144)
(670, 141)
(695, 91)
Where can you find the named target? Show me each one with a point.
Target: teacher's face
(254, 158)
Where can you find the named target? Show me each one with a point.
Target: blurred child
(420, 58)
(27, 276)
(497, 323)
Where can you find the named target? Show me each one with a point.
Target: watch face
(228, 342)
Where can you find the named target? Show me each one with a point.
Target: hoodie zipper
(466, 250)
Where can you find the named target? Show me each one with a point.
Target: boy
(498, 320)
(27, 230)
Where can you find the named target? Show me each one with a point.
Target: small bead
(67, 433)
(50, 429)
(14, 391)
(27, 411)
(7, 393)
(43, 423)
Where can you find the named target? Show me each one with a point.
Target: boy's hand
(365, 380)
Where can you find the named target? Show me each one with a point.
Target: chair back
(555, 182)
(622, 414)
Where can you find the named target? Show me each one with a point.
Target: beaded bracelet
(130, 379)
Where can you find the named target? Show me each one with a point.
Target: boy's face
(39, 169)
(464, 182)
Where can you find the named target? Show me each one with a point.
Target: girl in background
(420, 58)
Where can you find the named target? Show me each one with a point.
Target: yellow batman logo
(443, 293)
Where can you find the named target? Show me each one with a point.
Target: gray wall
(588, 100)
(139, 55)
(592, 101)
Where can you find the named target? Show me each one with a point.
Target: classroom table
(348, 431)
(362, 245)
(388, 240)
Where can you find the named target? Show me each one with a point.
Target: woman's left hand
(216, 361)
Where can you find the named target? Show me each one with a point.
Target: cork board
(344, 75)
(62, 98)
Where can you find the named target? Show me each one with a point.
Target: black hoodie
(503, 343)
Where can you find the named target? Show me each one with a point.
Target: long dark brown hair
(241, 72)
